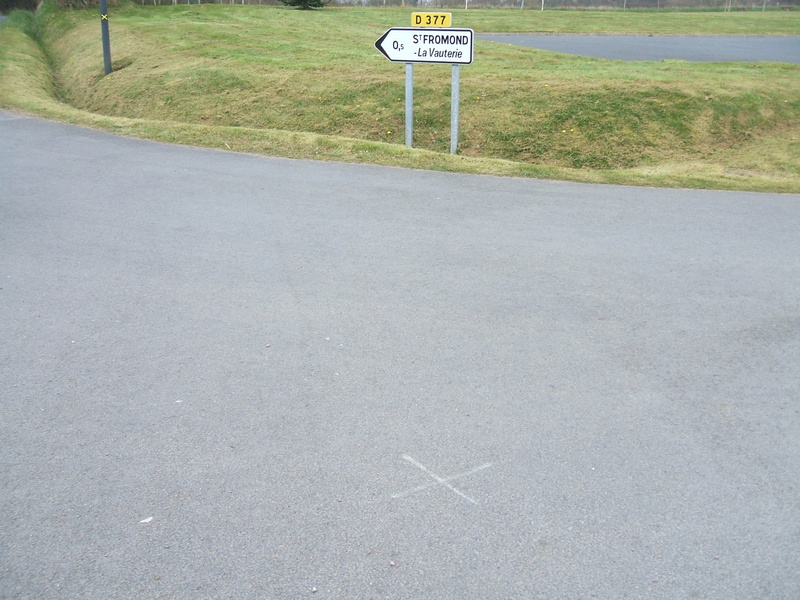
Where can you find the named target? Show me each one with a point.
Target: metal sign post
(409, 104)
(454, 96)
(104, 33)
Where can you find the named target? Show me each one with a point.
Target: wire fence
(637, 5)
(674, 5)
(656, 5)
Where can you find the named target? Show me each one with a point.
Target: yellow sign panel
(431, 19)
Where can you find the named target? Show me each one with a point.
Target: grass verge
(266, 80)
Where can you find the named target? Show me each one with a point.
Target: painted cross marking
(443, 481)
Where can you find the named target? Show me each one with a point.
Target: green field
(310, 84)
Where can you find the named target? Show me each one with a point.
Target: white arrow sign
(427, 45)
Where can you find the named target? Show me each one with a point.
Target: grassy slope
(243, 77)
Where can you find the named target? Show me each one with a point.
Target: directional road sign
(427, 45)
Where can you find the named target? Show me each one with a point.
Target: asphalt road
(639, 47)
(227, 376)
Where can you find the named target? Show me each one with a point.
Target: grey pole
(454, 108)
(409, 104)
(106, 40)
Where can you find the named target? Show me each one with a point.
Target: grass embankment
(279, 81)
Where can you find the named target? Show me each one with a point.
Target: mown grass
(280, 81)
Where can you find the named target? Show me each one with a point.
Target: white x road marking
(445, 481)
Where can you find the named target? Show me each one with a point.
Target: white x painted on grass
(443, 481)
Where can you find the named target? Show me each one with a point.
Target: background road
(227, 376)
(716, 48)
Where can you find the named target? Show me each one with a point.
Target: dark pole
(106, 41)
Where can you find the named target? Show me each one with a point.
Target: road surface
(229, 376)
(641, 47)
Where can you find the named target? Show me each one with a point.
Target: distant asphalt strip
(639, 47)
